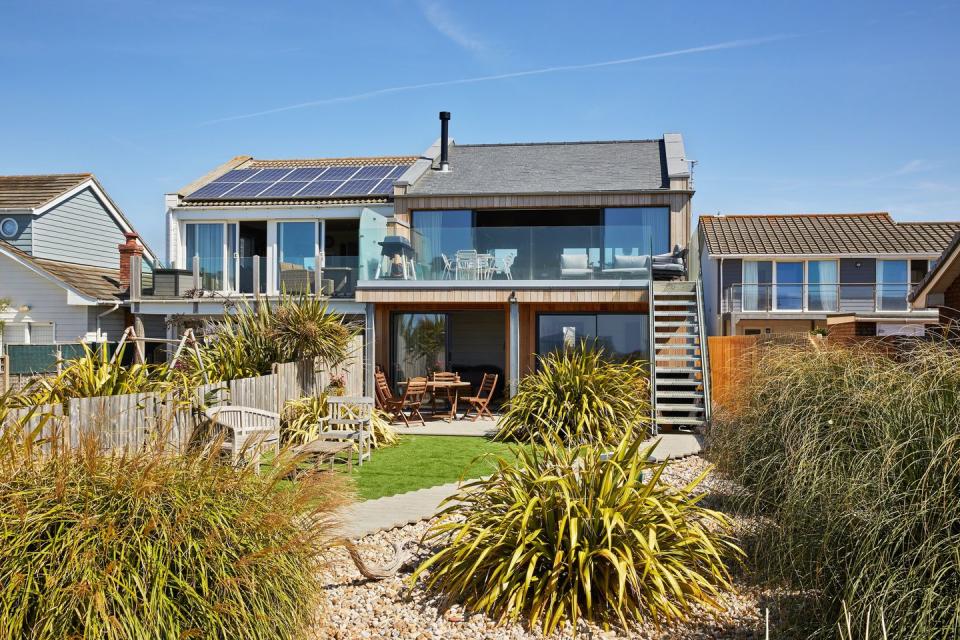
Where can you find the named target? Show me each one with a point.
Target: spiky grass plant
(151, 545)
(250, 340)
(850, 457)
(579, 395)
(94, 374)
(301, 422)
(562, 534)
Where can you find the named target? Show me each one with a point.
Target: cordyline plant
(155, 545)
(563, 534)
(249, 341)
(849, 456)
(579, 395)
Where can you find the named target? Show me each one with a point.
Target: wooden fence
(131, 421)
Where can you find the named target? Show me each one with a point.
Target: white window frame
(804, 285)
(876, 286)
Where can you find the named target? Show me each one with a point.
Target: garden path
(370, 516)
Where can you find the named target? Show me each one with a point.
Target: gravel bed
(357, 608)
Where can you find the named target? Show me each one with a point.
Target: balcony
(249, 276)
(816, 298)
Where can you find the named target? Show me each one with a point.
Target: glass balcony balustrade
(819, 297)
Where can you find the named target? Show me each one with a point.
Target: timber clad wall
(677, 201)
(48, 302)
(79, 230)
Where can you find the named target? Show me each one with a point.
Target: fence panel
(731, 357)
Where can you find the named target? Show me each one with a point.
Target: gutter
(115, 306)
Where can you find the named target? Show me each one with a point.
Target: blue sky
(787, 106)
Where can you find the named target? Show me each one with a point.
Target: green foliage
(300, 422)
(248, 342)
(580, 396)
(96, 374)
(563, 534)
(149, 545)
(849, 457)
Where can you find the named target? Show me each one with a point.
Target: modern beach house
(844, 273)
(473, 258)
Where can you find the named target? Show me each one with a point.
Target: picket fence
(134, 420)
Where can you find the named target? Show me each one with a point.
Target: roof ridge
(710, 216)
(913, 222)
(50, 175)
(411, 158)
(557, 143)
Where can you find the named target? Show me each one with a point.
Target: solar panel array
(303, 182)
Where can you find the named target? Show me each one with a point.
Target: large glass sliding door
(757, 285)
(822, 287)
(419, 344)
(893, 284)
(622, 336)
(789, 278)
(205, 241)
(296, 256)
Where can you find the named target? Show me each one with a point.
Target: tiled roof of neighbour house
(30, 192)
(369, 196)
(823, 234)
(95, 282)
(950, 254)
(549, 167)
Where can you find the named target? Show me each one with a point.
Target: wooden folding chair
(442, 393)
(411, 401)
(382, 391)
(480, 403)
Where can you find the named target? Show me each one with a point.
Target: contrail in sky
(731, 44)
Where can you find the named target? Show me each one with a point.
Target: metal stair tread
(675, 420)
(674, 335)
(679, 407)
(692, 395)
(658, 323)
(678, 370)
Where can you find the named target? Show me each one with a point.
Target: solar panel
(282, 189)
(375, 172)
(384, 187)
(269, 175)
(398, 171)
(320, 188)
(246, 190)
(339, 173)
(307, 174)
(237, 175)
(212, 190)
(357, 187)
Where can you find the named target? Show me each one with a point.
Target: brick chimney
(128, 249)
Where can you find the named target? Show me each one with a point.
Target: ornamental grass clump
(850, 459)
(301, 421)
(579, 395)
(563, 534)
(153, 545)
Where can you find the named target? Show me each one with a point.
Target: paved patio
(439, 427)
(370, 516)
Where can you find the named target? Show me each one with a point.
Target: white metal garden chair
(249, 431)
(350, 418)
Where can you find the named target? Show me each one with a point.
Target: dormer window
(9, 228)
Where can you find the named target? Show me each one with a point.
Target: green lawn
(424, 461)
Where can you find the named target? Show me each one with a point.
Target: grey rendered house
(60, 259)
(841, 273)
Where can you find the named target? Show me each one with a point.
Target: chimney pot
(444, 141)
(131, 247)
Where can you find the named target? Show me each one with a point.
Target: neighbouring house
(467, 258)
(845, 273)
(940, 288)
(65, 257)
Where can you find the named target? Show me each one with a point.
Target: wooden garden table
(456, 387)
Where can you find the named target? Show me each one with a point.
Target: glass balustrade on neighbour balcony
(517, 253)
(819, 297)
(339, 276)
(250, 271)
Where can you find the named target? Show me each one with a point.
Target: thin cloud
(366, 95)
(445, 24)
(914, 166)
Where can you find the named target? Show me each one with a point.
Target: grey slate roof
(550, 167)
(823, 234)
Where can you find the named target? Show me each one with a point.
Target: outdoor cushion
(573, 261)
(630, 262)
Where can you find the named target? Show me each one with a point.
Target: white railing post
(256, 275)
(196, 273)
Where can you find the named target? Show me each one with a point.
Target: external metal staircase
(680, 390)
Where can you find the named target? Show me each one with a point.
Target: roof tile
(30, 192)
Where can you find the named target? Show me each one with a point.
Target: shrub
(249, 341)
(563, 534)
(580, 396)
(150, 545)
(849, 456)
(97, 374)
(300, 422)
